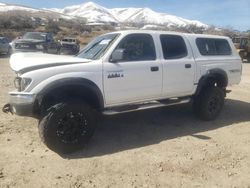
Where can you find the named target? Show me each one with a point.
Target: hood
(29, 41)
(24, 62)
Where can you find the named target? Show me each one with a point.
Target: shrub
(52, 27)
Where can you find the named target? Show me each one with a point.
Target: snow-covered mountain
(91, 11)
(148, 16)
(43, 13)
(8, 7)
(96, 13)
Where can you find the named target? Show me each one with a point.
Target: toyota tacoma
(121, 72)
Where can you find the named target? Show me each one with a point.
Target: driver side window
(138, 47)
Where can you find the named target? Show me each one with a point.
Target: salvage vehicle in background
(5, 47)
(36, 42)
(242, 45)
(69, 46)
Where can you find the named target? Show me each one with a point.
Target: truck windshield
(35, 36)
(97, 47)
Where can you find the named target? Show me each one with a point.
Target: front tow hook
(7, 109)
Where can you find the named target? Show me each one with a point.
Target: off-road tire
(67, 126)
(209, 103)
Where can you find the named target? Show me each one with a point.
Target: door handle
(188, 66)
(154, 69)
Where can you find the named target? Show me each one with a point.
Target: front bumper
(20, 103)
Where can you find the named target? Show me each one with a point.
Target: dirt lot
(157, 148)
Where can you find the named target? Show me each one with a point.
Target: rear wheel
(209, 103)
(67, 127)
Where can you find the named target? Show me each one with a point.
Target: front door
(138, 76)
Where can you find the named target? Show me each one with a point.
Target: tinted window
(173, 46)
(35, 36)
(138, 47)
(208, 46)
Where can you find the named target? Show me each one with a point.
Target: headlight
(39, 46)
(17, 83)
(22, 83)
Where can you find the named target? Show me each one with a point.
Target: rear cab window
(212, 47)
(173, 46)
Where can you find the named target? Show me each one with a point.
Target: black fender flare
(73, 81)
(212, 74)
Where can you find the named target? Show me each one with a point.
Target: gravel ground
(166, 147)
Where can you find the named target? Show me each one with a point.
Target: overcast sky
(221, 13)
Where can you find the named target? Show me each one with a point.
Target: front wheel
(209, 103)
(67, 127)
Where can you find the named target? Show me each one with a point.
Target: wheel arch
(67, 88)
(214, 77)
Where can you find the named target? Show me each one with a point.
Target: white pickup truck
(121, 72)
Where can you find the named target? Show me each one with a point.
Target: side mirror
(117, 55)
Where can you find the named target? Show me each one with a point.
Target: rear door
(178, 66)
(138, 76)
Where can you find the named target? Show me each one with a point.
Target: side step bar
(144, 106)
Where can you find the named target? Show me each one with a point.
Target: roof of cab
(188, 35)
